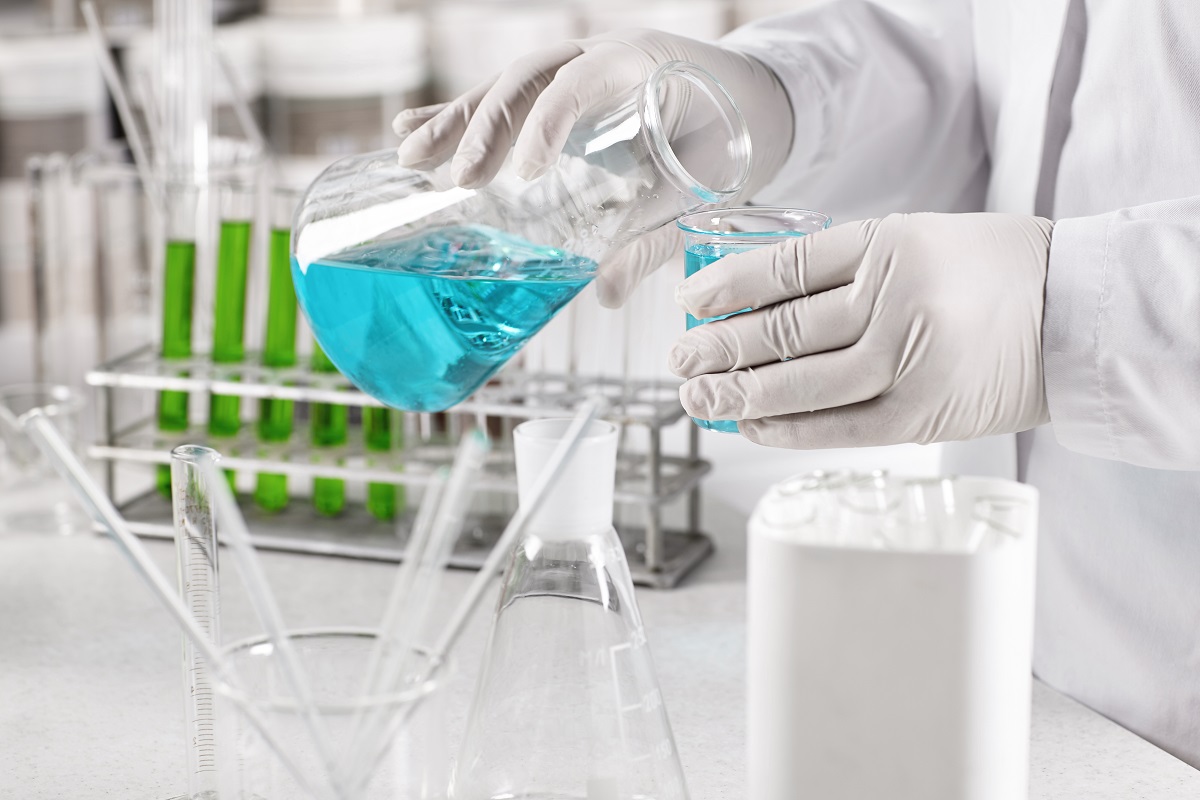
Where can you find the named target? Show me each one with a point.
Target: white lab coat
(942, 105)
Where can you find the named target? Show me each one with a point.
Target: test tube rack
(649, 484)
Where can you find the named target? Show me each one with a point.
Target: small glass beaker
(33, 499)
(413, 765)
(712, 235)
(419, 290)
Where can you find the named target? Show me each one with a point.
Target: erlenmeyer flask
(568, 704)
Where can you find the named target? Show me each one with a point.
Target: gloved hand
(912, 328)
(533, 104)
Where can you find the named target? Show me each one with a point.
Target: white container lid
(706, 20)
(343, 58)
(332, 8)
(581, 500)
(49, 75)
(475, 39)
(240, 45)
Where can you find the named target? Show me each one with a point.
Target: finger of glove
(793, 268)
(824, 380)
(802, 327)
(503, 111)
(872, 423)
(597, 76)
(619, 276)
(410, 119)
(434, 141)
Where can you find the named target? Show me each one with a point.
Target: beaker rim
(429, 684)
(717, 93)
(803, 221)
(65, 400)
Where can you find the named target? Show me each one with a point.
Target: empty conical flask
(568, 704)
(419, 290)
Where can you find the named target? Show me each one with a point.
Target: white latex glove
(912, 328)
(533, 104)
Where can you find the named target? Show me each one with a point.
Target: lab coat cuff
(790, 66)
(1071, 324)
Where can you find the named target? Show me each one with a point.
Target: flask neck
(697, 147)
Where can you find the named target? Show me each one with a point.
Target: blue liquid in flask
(420, 323)
(696, 258)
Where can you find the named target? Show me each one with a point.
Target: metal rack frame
(658, 557)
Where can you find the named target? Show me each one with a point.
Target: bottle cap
(581, 500)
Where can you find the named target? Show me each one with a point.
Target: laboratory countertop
(90, 679)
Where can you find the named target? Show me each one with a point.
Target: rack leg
(654, 536)
(109, 423)
(693, 501)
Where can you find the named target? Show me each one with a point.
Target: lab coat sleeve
(1121, 335)
(885, 104)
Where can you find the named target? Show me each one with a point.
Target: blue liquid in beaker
(696, 258)
(420, 323)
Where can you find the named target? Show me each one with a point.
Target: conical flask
(568, 704)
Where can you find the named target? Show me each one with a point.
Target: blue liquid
(421, 323)
(696, 258)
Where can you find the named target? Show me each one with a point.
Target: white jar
(473, 40)
(333, 88)
(697, 19)
(52, 100)
(887, 658)
(333, 8)
(240, 46)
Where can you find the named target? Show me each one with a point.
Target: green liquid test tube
(179, 280)
(229, 321)
(384, 500)
(330, 428)
(275, 417)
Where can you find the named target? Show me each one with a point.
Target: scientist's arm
(941, 327)
(885, 105)
(1121, 336)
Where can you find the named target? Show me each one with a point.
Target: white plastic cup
(581, 501)
(898, 668)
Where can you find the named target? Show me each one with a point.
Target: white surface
(89, 676)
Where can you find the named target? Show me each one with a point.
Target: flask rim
(661, 149)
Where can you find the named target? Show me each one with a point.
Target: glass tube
(229, 309)
(179, 285)
(197, 572)
(329, 426)
(383, 429)
(275, 417)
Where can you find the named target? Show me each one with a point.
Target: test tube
(329, 428)
(279, 347)
(179, 282)
(383, 428)
(197, 573)
(229, 310)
